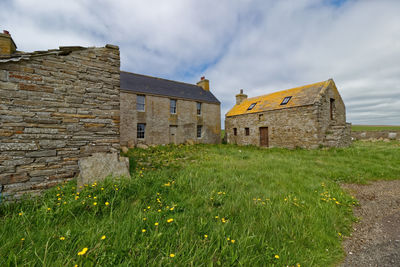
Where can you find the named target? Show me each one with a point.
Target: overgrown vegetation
(362, 128)
(200, 205)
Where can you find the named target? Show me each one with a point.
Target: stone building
(309, 116)
(56, 106)
(160, 111)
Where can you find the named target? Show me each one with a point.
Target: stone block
(100, 165)
(392, 136)
(18, 146)
(42, 153)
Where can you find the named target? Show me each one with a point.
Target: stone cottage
(309, 116)
(56, 106)
(160, 111)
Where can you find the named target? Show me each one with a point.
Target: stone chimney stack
(7, 45)
(240, 97)
(204, 83)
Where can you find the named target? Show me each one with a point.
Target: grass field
(362, 128)
(201, 205)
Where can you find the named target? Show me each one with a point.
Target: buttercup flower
(62, 238)
(82, 252)
(103, 237)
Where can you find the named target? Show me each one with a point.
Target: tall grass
(200, 205)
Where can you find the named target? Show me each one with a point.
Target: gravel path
(375, 240)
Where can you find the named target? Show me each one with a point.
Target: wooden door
(172, 134)
(264, 136)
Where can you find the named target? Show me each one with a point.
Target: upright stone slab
(101, 165)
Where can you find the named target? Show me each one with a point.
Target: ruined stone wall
(290, 128)
(56, 108)
(162, 127)
(376, 135)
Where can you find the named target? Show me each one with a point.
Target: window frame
(172, 109)
(139, 133)
(199, 131)
(144, 103)
(247, 131)
(252, 106)
(198, 108)
(235, 131)
(286, 100)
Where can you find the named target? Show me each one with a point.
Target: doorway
(172, 134)
(264, 136)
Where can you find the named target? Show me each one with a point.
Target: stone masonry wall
(159, 121)
(290, 128)
(56, 108)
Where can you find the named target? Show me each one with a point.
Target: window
(247, 131)
(251, 106)
(286, 100)
(198, 104)
(140, 101)
(172, 106)
(332, 105)
(199, 131)
(140, 130)
(235, 131)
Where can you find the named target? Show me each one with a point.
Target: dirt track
(375, 240)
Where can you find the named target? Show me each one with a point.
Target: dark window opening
(199, 131)
(141, 127)
(172, 106)
(235, 131)
(252, 106)
(260, 117)
(140, 102)
(247, 131)
(332, 105)
(286, 100)
(198, 104)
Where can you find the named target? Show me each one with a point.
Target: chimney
(7, 45)
(204, 83)
(240, 97)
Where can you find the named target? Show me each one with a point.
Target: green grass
(272, 202)
(362, 128)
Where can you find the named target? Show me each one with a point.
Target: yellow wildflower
(20, 214)
(156, 224)
(144, 219)
(48, 209)
(228, 239)
(103, 237)
(205, 236)
(62, 238)
(22, 239)
(170, 220)
(107, 203)
(172, 255)
(95, 203)
(276, 256)
(59, 198)
(159, 210)
(94, 197)
(233, 241)
(82, 252)
(102, 188)
(143, 230)
(76, 197)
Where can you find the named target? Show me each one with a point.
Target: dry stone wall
(56, 107)
(376, 135)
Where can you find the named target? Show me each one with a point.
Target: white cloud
(261, 46)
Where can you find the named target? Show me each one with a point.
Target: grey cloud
(260, 46)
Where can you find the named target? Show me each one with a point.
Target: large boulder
(100, 165)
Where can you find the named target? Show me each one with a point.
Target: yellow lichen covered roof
(300, 96)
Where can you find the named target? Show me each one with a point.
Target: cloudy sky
(260, 46)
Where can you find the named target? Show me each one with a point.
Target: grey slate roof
(157, 86)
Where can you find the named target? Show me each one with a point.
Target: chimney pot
(241, 91)
(6, 32)
(202, 78)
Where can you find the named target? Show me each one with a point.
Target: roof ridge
(280, 91)
(158, 78)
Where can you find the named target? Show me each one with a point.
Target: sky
(260, 46)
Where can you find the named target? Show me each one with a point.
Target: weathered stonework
(307, 126)
(162, 127)
(376, 135)
(56, 107)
